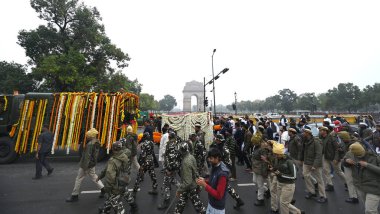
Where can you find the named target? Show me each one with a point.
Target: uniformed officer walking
(87, 165)
(171, 166)
(312, 166)
(114, 183)
(199, 152)
(188, 187)
(286, 173)
(146, 164)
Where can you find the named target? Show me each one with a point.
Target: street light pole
(204, 94)
(235, 104)
(213, 80)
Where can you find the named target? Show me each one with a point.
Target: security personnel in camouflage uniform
(146, 164)
(113, 183)
(201, 134)
(188, 188)
(129, 144)
(219, 144)
(231, 145)
(171, 166)
(199, 152)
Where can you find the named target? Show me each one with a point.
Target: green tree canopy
(72, 51)
(344, 97)
(307, 101)
(147, 102)
(14, 77)
(167, 103)
(287, 99)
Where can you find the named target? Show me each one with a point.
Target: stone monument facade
(193, 88)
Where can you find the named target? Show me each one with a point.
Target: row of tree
(71, 52)
(346, 97)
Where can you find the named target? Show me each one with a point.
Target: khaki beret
(308, 131)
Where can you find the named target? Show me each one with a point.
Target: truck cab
(10, 106)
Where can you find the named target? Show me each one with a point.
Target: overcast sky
(307, 46)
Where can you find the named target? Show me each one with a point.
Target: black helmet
(117, 146)
(183, 148)
(146, 135)
(172, 135)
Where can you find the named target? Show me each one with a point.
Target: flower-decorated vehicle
(68, 115)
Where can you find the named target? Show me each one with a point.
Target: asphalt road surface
(20, 194)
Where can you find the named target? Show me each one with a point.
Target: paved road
(19, 194)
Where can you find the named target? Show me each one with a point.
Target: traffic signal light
(206, 102)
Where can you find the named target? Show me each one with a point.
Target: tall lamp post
(205, 101)
(213, 79)
(235, 104)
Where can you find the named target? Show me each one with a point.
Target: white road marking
(246, 185)
(90, 192)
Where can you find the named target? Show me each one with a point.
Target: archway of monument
(193, 89)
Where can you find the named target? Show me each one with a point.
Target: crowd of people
(277, 154)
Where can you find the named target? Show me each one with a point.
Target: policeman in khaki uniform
(260, 151)
(348, 140)
(286, 173)
(130, 143)
(295, 147)
(114, 183)
(365, 166)
(87, 165)
(330, 156)
(188, 188)
(312, 166)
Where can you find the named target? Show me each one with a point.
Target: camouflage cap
(219, 137)
(117, 146)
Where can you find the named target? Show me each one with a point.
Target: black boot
(72, 198)
(102, 193)
(153, 191)
(37, 177)
(103, 210)
(50, 171)
(164, 205)
(316, 188)
(134, 207)
(293, 201)
(239, 203)
(310, 195)
(267, 194)
(352, 200)
(259, 203)
(329, 188)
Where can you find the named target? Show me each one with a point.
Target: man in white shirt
(163, 141)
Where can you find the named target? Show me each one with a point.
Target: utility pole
(235, 103)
